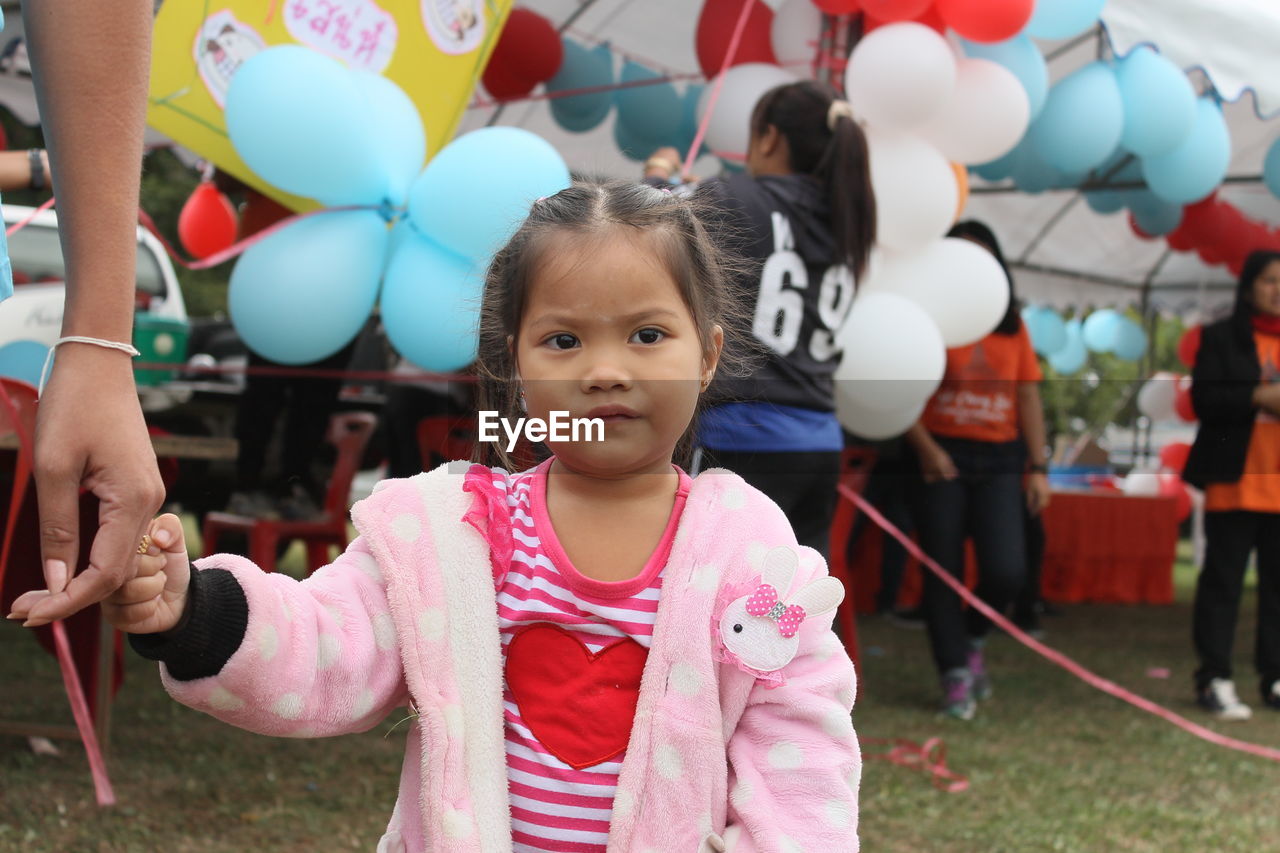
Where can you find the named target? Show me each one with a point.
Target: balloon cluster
(353, 140)
(528, 52)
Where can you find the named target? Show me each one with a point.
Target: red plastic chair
(18, 403)
(855, 469)
(445, 438)
(349, 432)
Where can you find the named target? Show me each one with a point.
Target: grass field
(1053, 764)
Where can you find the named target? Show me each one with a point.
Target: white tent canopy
(1070, 259)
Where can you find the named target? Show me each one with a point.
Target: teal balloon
(1023, 59)
(303, 123)
(431, 305)
(582, 68)
(23, 360)
(1159, 103)
(689, 117)
(1002, 167)
(1196, 167)
(652, 111)
(305, 291)
(1063, 19)
(400, 139)
(1101, 330)
(1153, 216)
(1082, 120)
(635, 146)
(1271, 169)
(1047, 329)
(1073, 355)
(1131, 341)
(1107, 201)
(1033, 174)
(475, 193)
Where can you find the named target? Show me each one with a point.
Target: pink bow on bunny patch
(764, 602)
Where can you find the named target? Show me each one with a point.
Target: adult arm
(91, 64)
(935, 463)
(1031, 421)
(1217, 396)
(16, 172)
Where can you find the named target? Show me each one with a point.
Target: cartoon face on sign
(222, 45)
(762, 629)
(456, 26)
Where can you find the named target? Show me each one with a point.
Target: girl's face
(1266, 290)
(606, 334)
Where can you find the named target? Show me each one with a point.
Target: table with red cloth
(1100, 547)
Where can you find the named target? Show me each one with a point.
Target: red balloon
(1241, 239)
(839, 7)
(208, 222)
(1188, 346)
(715, 29)
(1174, 455)
(986, 20)
(891, 11)
(528, 52)
(1182, 405)
(929, 17)
(4, 139)
(1209, 253)
(1172, 487)
(1180, 238)
(1204, 221)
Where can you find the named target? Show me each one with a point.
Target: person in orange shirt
(973, 444)
(1235, 389)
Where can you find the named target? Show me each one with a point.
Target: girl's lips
(613, 413)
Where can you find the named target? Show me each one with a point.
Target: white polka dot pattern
(328, 648)
(785, 755)
(384, 631)
(268, 642)
(457, 824)
(685, 679)
(431, 624)
(669, 763)
(407, 528)
(288, 706)
(224, 700)
(838, 814)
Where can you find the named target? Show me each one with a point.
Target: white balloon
(730, 127)
(797, 26)
(985, 117)
(957, 282)
(893, 354)
(1157, 396)
(1142, 483)
(915, 186)
(873, 424)
(900, 75)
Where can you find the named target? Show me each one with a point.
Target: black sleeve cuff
(211, 629)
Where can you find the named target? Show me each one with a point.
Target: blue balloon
(1153, 216)
(1107, 201)
(1033, 175)
(23, 360)
(633, 145)
(400, 139)
(1159, 103)
(582, 68)
(1082, 120)
(476, 192)
(1271, 169)
(305, 291)
(1131, 341)
(1001, 167)
(1101, 330)
(1021, 56)
(1063, 19)
(1073, 355)
(652, 111)
(431, 305)
(1047, 329)
(302, 123)
(1194, 169)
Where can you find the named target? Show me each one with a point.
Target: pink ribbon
(764, 602)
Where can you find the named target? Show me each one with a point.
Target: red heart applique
(579, 705)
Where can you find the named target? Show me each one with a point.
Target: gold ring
(145, 545)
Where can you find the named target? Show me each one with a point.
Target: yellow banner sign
(435, 50)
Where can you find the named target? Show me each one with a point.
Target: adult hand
(667, 153)
(1037, 492)
(1268, 397)
(936, 465)
(90, 433)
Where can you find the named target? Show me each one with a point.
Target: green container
(160, 340)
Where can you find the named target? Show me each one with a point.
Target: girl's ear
(712, 358)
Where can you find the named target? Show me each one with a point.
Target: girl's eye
(648, 336)
(564, 340)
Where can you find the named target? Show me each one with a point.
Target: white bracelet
(77, 339)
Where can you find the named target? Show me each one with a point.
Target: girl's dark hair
(593, 208)
(981, 233)
(836, 158)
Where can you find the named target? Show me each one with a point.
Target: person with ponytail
(980, 447)
(1235, 390)
(802, 216)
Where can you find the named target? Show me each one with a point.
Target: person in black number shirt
(803, 215)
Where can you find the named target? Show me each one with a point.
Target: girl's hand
(1037, 492)
(155, 599)
(936, 465)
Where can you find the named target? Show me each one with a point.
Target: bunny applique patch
(759, 631)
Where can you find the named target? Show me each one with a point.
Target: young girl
(598, 653)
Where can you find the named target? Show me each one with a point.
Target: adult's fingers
(58, 500)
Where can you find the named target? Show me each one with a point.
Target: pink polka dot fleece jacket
(729, 751)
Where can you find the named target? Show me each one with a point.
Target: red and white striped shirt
(553, 694)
